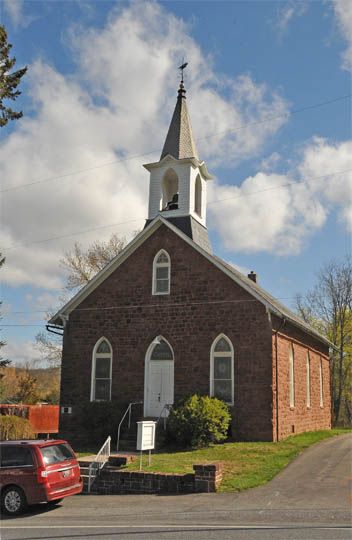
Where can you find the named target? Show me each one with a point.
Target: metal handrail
(166, 407)
(127, 411)
(99, 461)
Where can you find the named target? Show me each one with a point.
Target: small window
(101, 371)
(161, 273)
(222, 370)
(291, 362)
(16, 456)
(321, 383)
(308, 379)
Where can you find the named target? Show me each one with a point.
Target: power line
(238, 128)
(69, 235)
(134, 306)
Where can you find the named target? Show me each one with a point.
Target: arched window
(321, 383)
(170, 190)
(101, 371)
(291, 364)
(161, 273)
(161, 351)
(222, 369)
(198, 196)
(308, 378)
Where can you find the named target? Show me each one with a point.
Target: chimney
(253, 276)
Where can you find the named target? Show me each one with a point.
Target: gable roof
(271, 303)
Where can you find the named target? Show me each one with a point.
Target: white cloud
(343, 14)
(113, 106)
(15, 11)
(22, 353)
(270, 162)
(287, 12)
(280, 219)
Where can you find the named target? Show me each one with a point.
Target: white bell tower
(178, 181)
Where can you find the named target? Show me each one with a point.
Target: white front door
(160, 386)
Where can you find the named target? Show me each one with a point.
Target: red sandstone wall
(300, 418)
(190, 318)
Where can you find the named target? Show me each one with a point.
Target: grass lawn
(245, 464)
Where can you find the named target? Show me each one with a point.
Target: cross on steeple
(182, 67)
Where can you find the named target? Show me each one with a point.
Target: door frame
(147, 370)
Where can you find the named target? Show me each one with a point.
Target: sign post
(145, 438)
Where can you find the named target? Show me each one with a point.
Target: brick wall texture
(203, 303)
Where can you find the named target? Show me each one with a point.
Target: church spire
(179, 141)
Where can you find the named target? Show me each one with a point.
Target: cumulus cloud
(114, 106)
(272, 212)
(343, 14)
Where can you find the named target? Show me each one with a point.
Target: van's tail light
(42, 475)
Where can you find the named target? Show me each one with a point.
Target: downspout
(283, 322)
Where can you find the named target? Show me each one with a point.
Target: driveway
(310, 499)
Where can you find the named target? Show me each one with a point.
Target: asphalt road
(309, 500)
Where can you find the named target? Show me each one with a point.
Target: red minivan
(35, 471)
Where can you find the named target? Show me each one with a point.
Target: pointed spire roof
(179, 141)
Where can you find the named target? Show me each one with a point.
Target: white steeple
(178, 181)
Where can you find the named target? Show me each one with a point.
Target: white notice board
(146, 435)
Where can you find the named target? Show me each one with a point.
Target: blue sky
(102, 77)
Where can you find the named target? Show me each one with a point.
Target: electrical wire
(231, 130)
(69, 235)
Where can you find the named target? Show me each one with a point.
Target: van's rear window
(56, 453)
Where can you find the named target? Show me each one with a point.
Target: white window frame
(308, 383)
(213, 355)
(291, 375)
(161, 265)
(321, 391)
(96, 355)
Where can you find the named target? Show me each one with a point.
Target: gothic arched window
(198, 196)
(161, 273)
(170, 190)
(101, 371)
(222, 369)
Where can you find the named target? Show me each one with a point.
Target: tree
(328, 308)
(8, 81)
(81, 265)
(27, 388)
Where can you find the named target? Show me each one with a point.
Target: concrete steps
(116, 461)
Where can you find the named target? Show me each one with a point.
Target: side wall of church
(203, 303)
(302, 416)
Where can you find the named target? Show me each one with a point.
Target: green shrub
(14, 427)
(198, 421)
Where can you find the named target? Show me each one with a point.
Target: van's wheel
(13, 501)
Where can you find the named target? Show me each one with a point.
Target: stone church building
(167, 318)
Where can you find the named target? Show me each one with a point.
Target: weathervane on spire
(182, 67)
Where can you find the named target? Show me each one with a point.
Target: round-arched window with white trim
(222, 369)
(101, 371)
